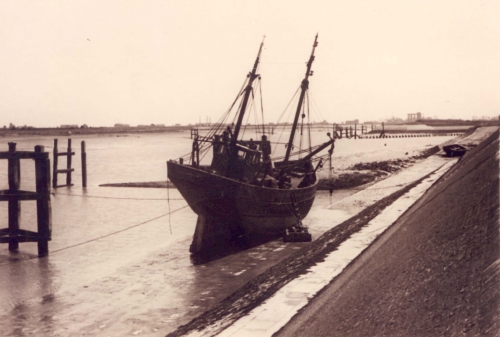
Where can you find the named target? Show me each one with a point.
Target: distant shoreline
(429, 127)
(89, 131)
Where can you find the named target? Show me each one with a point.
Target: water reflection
(28, 291)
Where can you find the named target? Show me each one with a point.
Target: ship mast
(248, 90)
(304, 87)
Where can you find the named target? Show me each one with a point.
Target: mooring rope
(103, 236)
(98, 197)
(113, 233)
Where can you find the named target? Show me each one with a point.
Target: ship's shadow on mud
(228, 247)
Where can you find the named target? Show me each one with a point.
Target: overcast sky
(141, 62)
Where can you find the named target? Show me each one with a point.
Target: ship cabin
(252, 157)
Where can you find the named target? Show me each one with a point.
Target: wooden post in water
(44, 223)
(54, 168)
(14, 172)
(68, 168)
(68, 164)
(13, 235)
(84, 165)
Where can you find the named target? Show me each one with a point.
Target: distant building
(69, 126)
(414, 117)
(120, 125)
(356, 121)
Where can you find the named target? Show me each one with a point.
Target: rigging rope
(284, 125)
(309, 121)
(262, 107)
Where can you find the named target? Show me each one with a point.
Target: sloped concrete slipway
(434, 273)
(345, 266)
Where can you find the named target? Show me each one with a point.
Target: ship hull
(254, 208)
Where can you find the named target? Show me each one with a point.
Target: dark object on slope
(454, 150)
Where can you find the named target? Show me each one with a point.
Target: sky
(166, 62)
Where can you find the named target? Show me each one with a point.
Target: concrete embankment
(434, 272)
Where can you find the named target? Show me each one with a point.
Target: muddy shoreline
(263, 286)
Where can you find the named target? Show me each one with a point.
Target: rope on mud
(110, 234)
(91, 196)
(118, 231)
(104, 236)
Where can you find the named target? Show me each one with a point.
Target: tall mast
(304, 86)
(233, 154)
(248, 90)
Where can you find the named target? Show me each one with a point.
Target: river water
(119, 263)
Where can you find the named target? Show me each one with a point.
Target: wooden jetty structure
(68, 170)
(13, 235)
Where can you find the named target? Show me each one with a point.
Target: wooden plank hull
(253, 208)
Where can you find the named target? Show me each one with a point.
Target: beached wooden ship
(243, 190)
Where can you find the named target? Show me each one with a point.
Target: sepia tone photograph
(249, 169)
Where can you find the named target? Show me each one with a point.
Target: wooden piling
(84, 165)
(14, 173)
(68, 164)
(44, 216)
(54, 168)
(13, 235)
